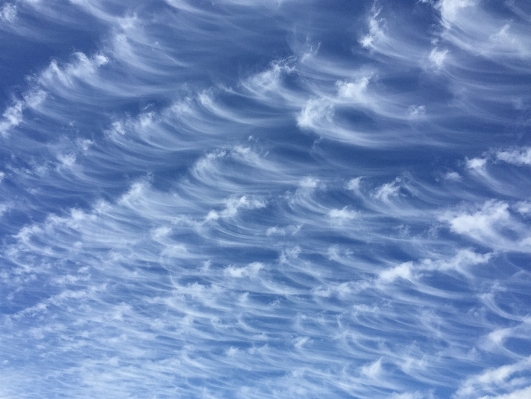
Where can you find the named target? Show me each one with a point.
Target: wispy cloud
(264, 199)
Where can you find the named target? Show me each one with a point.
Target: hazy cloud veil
(265, 199)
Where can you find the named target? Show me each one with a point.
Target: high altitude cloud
(249, 199)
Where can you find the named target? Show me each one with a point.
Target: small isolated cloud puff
(66, 161)
(353, 91)
(522, 207)
(233, 204)
(388, 190)
(402, 271)
(476, 164)
(309, 183)
(8, 13)
(290, 253)
(518, 157)
(354, 184)
(481, 223)
(247, 271)
(342, 215)
(437, 57)
(315, 112)
(452, 176)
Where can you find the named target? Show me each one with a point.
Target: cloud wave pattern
(265, 198)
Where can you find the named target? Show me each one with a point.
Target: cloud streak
(264, 199)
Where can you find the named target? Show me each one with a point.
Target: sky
(265, 199)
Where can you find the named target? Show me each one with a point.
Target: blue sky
(265, 199)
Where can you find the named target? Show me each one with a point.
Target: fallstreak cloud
(265, 199)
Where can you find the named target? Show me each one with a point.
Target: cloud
(8, 13)
(402, 271)
(437, 57)
(82, 68)
(354, 184)
(343, 214)
(315, 113)
(450, 9)
(353, 91)
(494, 379)
(233, 204)
(376, 28)
(13, 115)
(248, 271)
(518, 157)
(453, 176)
(388, 190)
(483, 224)
(207, 191)
(517, 394)
(491, 225)
(373, 370)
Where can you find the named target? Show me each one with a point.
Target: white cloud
(8, 13)
(376, 29)
(482, 223)
(353, 91)
(453, 176)
(519, 157)
(472, 27)
(388, 190)
(82, 68)
(493, 379)
(66, 160)
(476, 164)
(354, 184)
(523, 207)
(412, 395)
(247, 271)
(401, 271)
(524, 393)
(309, 182)
(373, 370)
(450, 9)
(269, 82)
(315, 113)
(289, 254)
(343, 214)
(491, 225)
(13, 115)
(463, 259)
(233, 204)
(437, 57)
(282, 231)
